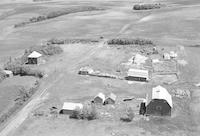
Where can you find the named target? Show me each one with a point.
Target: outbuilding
(166, 56)
(155, 60)
(138, 75)
(110, 99)
(8, 73)
(99, 99)
(160, 102)
(85, 71)
(69, 107)
(34, 58)
(173, 54)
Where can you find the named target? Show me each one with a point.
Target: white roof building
(173, 54)
(166, 56)
(86, 69)
(99, 98)
(138, 73)
(34, 54)
(160, 92)
(155, 60)
(8, 72)
(111, 98)
(72, 106)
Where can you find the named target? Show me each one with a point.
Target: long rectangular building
(138, 74)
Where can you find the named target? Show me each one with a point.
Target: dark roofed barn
(160, 103)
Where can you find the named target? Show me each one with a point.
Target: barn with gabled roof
(160, 102)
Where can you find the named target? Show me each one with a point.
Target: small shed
(138, 75)
(173, 54)
(69, 107)
(160, 102)
(34, 58)
(85, 71)
(99, 99)
(166, 56)
(8, 73)
(110, 99)
(155, 60)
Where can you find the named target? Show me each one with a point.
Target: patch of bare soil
(165, 67)
(164, 79)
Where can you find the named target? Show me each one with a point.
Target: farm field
(175, 26)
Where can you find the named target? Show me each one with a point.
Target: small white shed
(34, 58)
(110, 99)
(166, 56)
(69, 107)
(99, 98)
(155, 60)
(8, 73)
(85, 71)
(173, 54)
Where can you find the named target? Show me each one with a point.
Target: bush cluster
(47, 50)
(37, 19)
(68, 41)
(146, 6)
(25, 94)
(87, 113)
(23, 70)
(2, 75)
(129, 115)
(55, 14)
(55, 41)
(40, 0)
(126, 41)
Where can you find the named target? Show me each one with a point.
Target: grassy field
(172, 27)
(10, 90)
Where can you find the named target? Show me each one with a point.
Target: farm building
(85, 71)
(155, 60)
(142, 110)
(8, 73)
(173, 54)
(69, 107)
(138, 75)
(160, 103)
(110, 99)
(34, 58)
(166, 56)
(99, 99)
